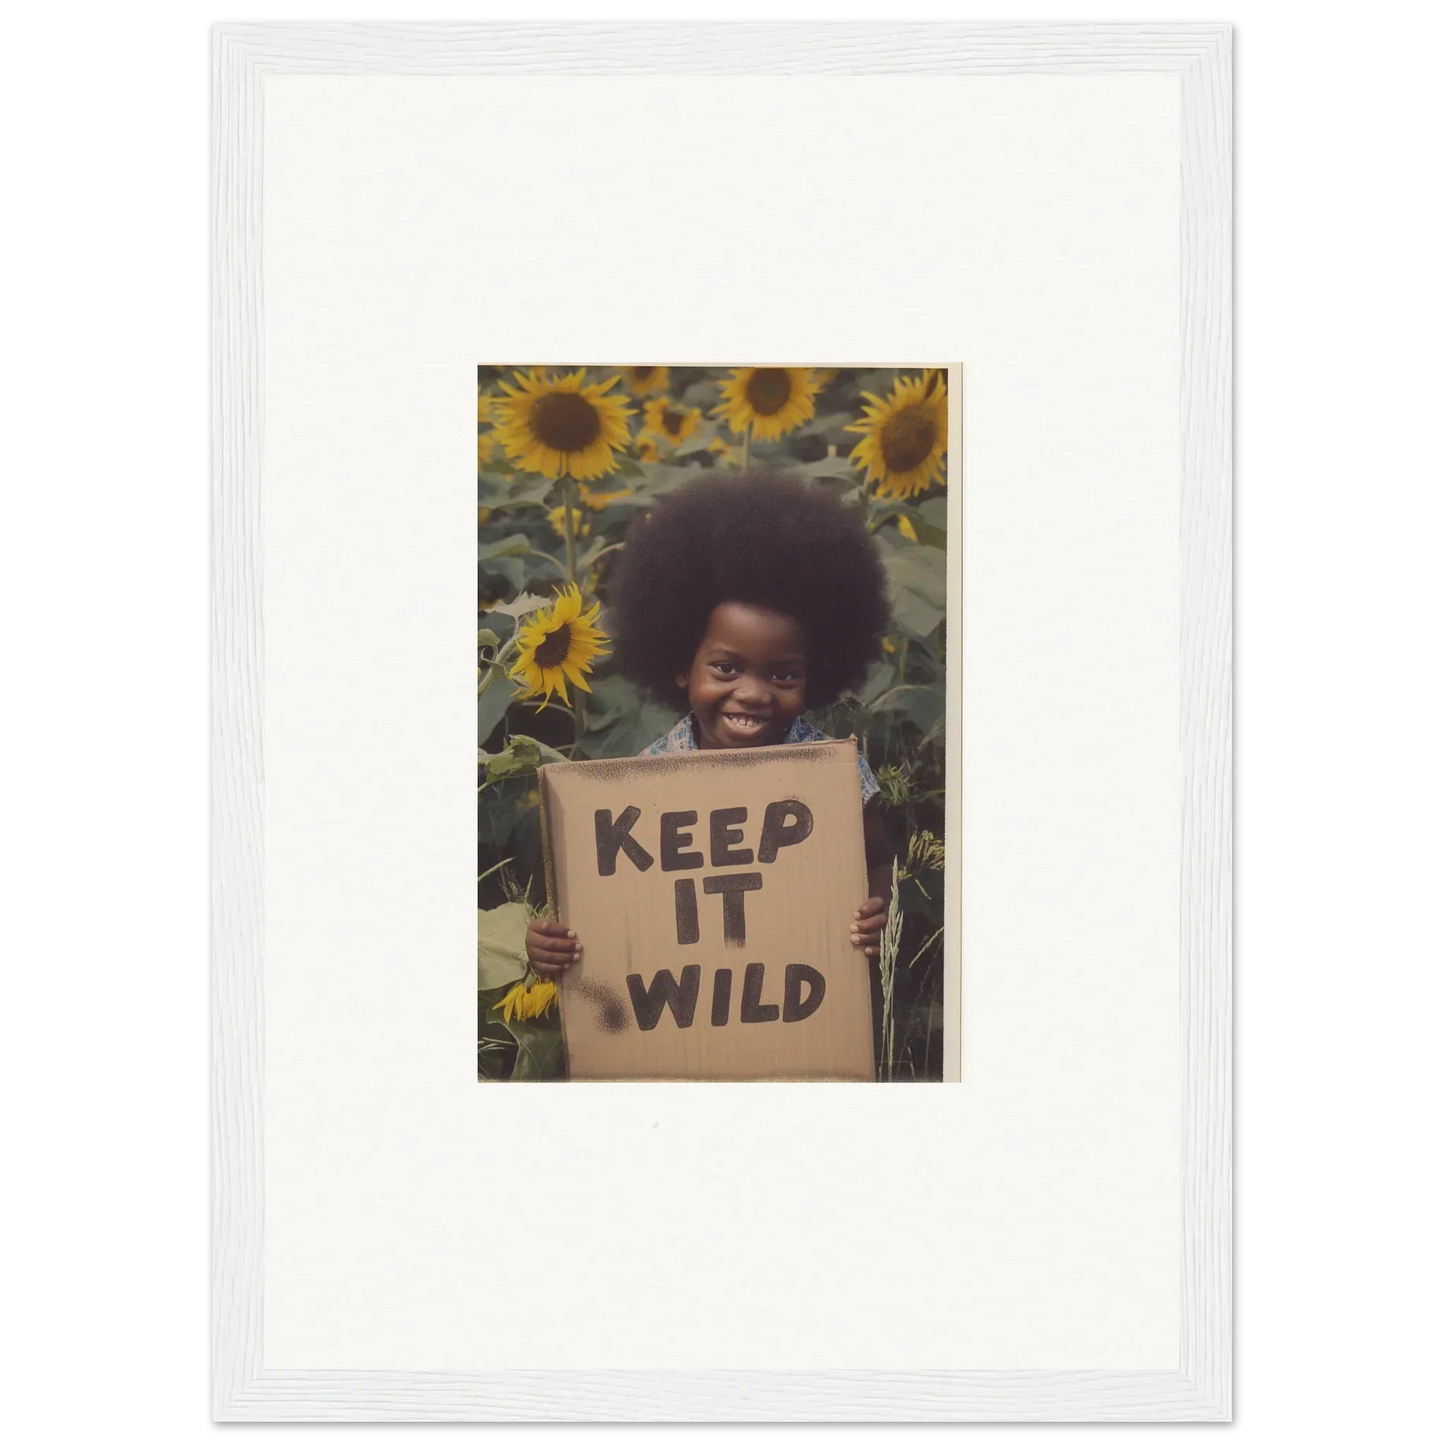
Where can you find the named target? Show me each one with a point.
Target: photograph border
(244, 55)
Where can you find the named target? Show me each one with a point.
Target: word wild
(785, 824)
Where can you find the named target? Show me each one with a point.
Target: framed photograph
(851, 669)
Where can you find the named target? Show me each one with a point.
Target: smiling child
(747, 599)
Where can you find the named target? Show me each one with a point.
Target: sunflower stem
(569, 501)
(546, 557)
(747, 444)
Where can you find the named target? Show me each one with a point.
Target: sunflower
(528, 1000)
(557, 644)
(904, 437)
(668, 421)
(726, 451)
(645, 380)
(561, 426)
(558, 518)
(597, 500)
(771, 399)
(646, 448)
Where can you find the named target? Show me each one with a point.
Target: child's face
(747, 678)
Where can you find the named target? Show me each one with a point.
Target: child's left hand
(868, 926)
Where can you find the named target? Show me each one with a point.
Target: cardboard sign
(713, 894)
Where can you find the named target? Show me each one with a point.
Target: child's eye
(726, 668)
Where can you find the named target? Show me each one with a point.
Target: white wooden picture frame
(320, 1110)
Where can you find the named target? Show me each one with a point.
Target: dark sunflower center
(907, 438)
(565, 421)
(553, 648)
(768, 390)
(672, 422)
(641, 375)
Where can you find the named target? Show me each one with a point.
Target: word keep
(785, 824)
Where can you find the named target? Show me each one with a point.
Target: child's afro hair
(765, 538)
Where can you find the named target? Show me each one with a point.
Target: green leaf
(631, 732)
(514, 569)
(520, 606)
(539, 1049)
(924, 524)
(610, 698)
(501, 945)
(492, 703)
(935, 512)
(516, 545)
(496, 1052)
(922, 657)
(929, 535)
(503, 493)
(921, 705)
(545, 754)
(487, 638)
(496, 1047)
(521, 755)
(917, 582)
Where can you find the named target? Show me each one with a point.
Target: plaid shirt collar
(683, 737)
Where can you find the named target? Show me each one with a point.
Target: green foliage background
(898, 713)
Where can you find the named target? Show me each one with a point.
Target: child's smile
(748, 677)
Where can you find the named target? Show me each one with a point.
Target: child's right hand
(551, 947)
